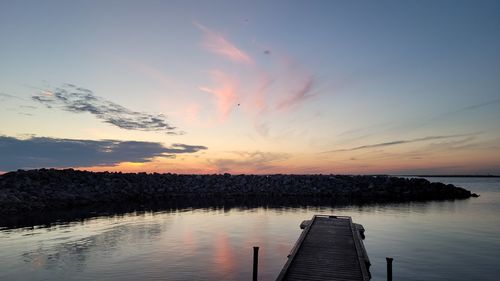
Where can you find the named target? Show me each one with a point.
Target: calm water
(457, 240)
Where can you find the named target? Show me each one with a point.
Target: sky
(264, 87)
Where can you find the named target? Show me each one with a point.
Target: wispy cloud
(444, 116)
(279, 86)
(465, 109)
(224, 92)
(4, 96)
(362, 131)
(191, 112)
(262, 128)
(179, 148)
(300, 95)
(249, 162)
(398, 142)
(27, 106)
(37, 152)
(153, 73)
(259, 104)
(217, 43)
(78, 100)
(260, 97)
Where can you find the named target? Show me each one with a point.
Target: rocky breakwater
(50, 189)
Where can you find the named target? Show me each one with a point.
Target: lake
(448, 240)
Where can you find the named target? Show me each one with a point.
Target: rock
(50, 189)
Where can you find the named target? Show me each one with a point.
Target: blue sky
(263, 87)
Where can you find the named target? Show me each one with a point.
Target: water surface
(450, 240)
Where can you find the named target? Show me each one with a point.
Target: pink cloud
(224, 93)
(281, 84)
(216, 43)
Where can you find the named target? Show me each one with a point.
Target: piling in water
(255, 263)
(389, 268)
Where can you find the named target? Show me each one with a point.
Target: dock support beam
(255, 262)
(389, 268)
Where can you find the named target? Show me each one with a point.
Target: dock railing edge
(360, 251)
(295, 249)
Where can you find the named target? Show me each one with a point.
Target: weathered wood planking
(329, 248)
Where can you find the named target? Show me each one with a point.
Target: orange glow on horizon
(307, 164)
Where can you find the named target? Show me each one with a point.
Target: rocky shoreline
(25, 192)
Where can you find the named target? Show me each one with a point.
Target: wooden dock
(329, 248)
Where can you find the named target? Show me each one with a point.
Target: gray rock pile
(50, 189)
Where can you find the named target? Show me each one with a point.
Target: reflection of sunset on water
(189, 242)
(38, 260)
(224, 256)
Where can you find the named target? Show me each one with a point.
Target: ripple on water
(456, 240)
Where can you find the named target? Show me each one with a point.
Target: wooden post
(255, 262)
(389, 268)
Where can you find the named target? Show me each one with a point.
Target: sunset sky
(358, 87)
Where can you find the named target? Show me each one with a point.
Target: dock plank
(329, 248)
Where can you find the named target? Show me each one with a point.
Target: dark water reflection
(451, 240)
(48, 219)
